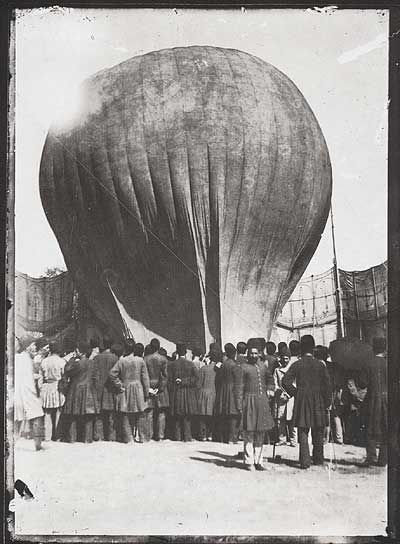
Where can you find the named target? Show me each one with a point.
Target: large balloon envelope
(192, 186)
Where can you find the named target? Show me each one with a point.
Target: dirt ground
(194, 488)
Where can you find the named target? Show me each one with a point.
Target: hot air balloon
(191, 189)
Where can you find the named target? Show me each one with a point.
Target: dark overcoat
(130, 377)
(271, 362)
(105, 390)
(226, 402)
(254, 382)
(81, 397)
(171, 383)
(157, 369)
(206, 390)
(184, 397)
(376, 399)
(312, 392)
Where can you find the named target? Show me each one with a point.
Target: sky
(338, 60)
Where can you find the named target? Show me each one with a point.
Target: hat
(284, 351)
(181, 348)
(230, 349)
(258, 343)
(307, 344)
(282, 348)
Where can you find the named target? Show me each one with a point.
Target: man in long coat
(225, 402)
(158, 398)
(271, 360)
(131, 380)
(206, 398)
(81, 403)
(184, 377)
(255, 385)
(336, 375)
(28, 406)
(312, 400)
(374, 379)
(105, 421)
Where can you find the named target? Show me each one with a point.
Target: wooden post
(313, 304)
(375, 295)
(339, 309)
(291, 313)
(356, 306)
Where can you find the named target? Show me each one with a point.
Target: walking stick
(331, 444)
(276, 419)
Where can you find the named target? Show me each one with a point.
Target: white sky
(339, 62)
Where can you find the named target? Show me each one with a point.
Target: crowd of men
(254, 392)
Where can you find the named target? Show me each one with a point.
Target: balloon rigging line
(115, 197)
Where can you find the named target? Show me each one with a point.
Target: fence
(51, 306)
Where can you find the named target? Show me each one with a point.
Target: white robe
(27, 404)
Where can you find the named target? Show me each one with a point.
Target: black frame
(7, 254)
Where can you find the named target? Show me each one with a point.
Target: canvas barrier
(52, 307)
(43, 305)
(312, 308)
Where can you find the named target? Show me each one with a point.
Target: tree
(52, 272)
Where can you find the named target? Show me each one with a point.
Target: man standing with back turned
(374, 378)
(312, 399)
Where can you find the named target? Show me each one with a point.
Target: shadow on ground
(220, 459)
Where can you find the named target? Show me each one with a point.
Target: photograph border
(7, 164)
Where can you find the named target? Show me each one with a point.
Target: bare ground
(194, 488)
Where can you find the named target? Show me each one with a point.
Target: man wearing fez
(158, 399)
(241, 349)
(312, 399)
(255, 386)
(105, 420)
(183, 406)
(374, 378)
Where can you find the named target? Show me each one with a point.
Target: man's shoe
(304, 467)
(260, 467)
(250, 468)
(367, 464)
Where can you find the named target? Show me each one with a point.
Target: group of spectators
(134, 393)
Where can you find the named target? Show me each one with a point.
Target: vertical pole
(313, 304)
(356, 306)
(291, 313)
(339, 309)
(375, 295)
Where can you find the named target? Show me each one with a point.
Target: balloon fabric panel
(196, 182)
